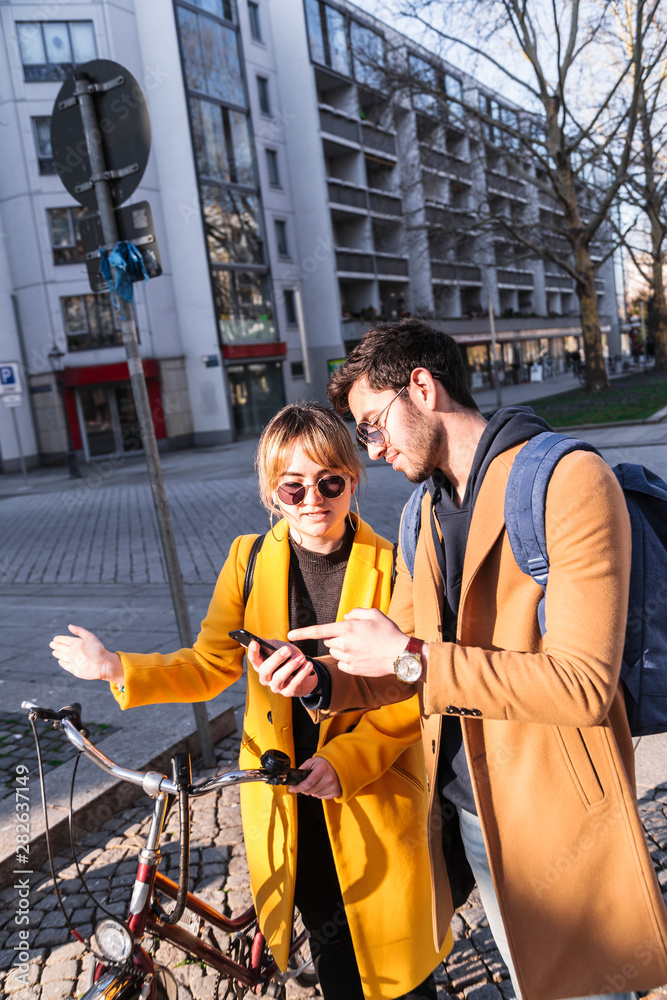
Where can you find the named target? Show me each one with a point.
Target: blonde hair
(321, 433)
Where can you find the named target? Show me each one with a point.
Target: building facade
(297, 197)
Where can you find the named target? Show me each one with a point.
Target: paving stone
(468, 974)
(497, 969)
(20, 978)
(483, 939)
(486, 992)
(474, 917)
(462, 952)
(60, 971)
(57, 990)
(507, 989)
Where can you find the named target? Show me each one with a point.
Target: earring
(285, 532)
(349, 516)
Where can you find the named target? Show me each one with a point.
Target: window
(296, 368)
(368, 56)
(255, 24)
(327, 33)
(90, 322)
(272, 164)
(281, 238)
(221, 8)
(231, 220)
(221, 142)
(42, 132)
(211, 57)
(263, 91)
(50, 48)
(424, 84)
(290, 308)
(243, 306)
(65, 235)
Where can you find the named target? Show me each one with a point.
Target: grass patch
(632, 397)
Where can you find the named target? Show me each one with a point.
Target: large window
(243, 306)
(222, 143)
(90, 322)
(435, 92)
(65, 235)
(50, 48)
(221, 8)
(327, 32)
(367, 55)
(42, 131)
(505, 132)
(211, 57)
(231, 219)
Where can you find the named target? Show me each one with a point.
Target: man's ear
(423, 388)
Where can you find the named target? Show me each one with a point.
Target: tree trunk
(659, 308)
(596, 372)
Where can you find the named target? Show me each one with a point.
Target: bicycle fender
(115, 986)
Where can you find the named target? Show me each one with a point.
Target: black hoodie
(506, 428)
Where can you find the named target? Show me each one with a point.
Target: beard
(426, 442)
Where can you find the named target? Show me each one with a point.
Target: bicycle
(122, 969)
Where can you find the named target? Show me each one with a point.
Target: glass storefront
(108, 420)
(257, 393)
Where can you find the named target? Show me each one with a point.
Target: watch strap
(414, 645)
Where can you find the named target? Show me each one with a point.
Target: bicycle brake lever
(292, 777)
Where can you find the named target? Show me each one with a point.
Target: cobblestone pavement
(58, 966)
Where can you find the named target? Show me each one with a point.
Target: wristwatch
(408, 666)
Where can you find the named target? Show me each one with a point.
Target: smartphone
(245, 638)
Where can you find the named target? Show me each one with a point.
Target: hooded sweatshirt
(507, 427)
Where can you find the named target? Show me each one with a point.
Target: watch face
(408, 667)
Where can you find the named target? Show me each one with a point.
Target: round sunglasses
(330, 487)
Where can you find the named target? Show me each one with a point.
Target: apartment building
(296, 198)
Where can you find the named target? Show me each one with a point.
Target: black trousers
(317, 895)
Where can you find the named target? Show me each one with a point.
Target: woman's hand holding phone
(286, 672)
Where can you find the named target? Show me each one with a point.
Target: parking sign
(10, 378)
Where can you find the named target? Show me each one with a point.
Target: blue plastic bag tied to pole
(128, 267)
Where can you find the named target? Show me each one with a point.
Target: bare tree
(573, 142)
(645, 193)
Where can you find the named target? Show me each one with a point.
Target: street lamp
(57, 361)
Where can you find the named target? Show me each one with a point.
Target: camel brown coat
(550, 757)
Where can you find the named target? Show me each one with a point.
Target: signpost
(100, 136)
(11, 391)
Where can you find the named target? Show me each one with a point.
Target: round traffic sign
(124, 132)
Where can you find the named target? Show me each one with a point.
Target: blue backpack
(644, 666)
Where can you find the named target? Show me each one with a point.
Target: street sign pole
(496, 359)
(84, 93)
(24, 472)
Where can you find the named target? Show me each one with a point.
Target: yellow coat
(376, 827)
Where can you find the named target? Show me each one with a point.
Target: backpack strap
(250, 567)
(411, 522)
(525, 503)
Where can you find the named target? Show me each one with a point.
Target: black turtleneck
(315, 584)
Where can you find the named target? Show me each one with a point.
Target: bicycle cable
(76, 860)
(47, 835)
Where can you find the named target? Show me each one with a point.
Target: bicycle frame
(135, 978)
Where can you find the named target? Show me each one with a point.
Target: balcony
(434, 159)
(465, 274)
(514, 279)
(391, 264)
(506, 186)
(373, 137)
(339, 125)
(385, 204)
(345, 193)
(355, 261)
(442, 216)
(562, 282)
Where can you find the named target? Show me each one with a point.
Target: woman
(358, 870)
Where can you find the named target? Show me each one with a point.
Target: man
(527, 745)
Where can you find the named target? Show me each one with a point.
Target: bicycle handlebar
(153, 782)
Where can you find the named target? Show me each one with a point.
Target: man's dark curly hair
(389, 353)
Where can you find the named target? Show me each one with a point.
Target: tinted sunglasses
(369, 433)
(330, 487)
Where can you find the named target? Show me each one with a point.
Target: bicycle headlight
(113, 940)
